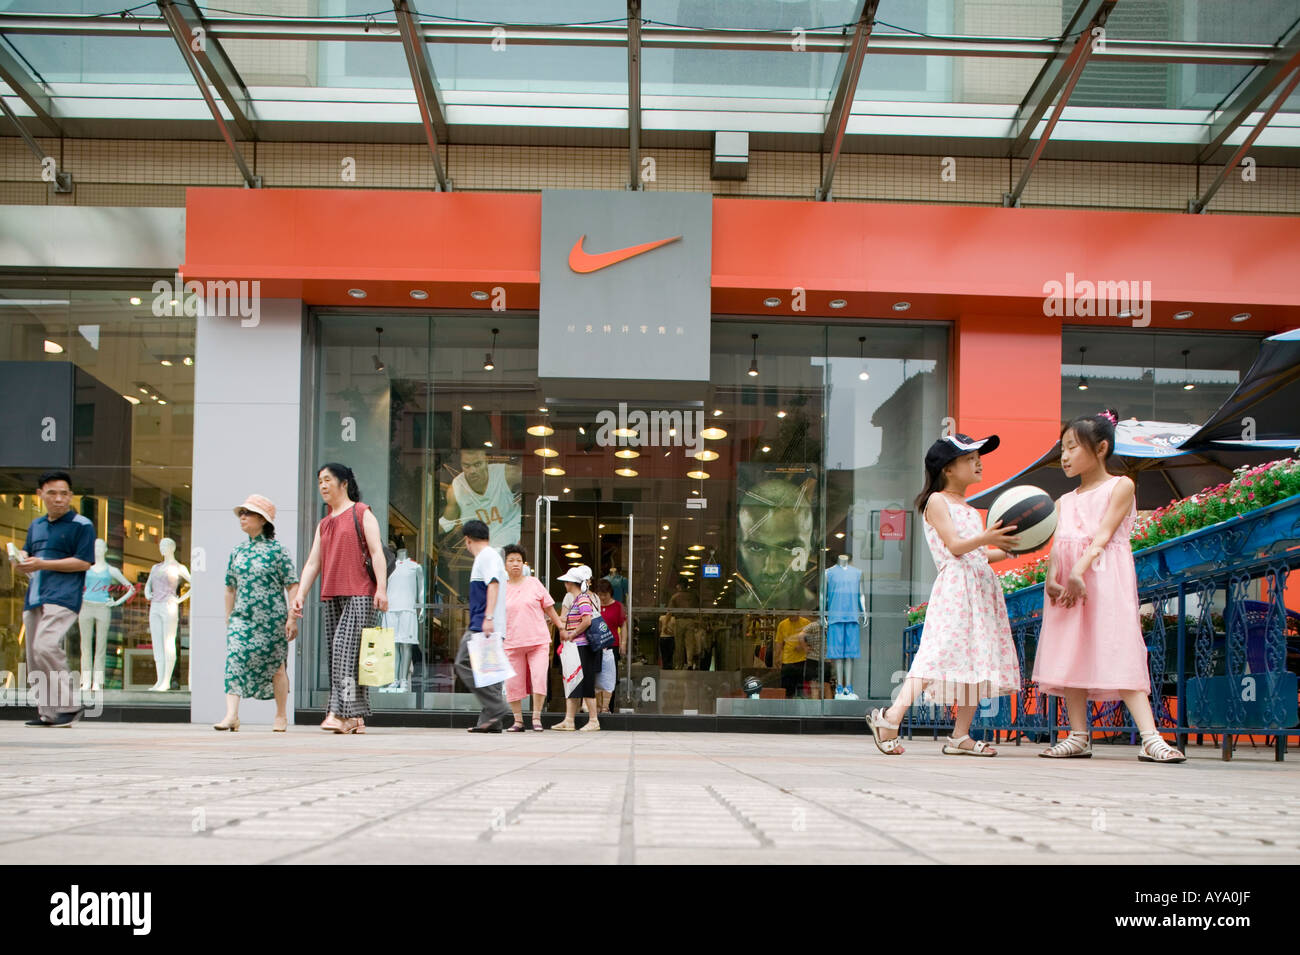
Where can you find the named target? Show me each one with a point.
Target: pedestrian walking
(59, 549)
(350, 591)
(528, 640)
(577, 618)
(259, 626)
(487, 615)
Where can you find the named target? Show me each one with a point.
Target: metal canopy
(27, 89)
(1248, 98)
(634, 95)
(433, 116)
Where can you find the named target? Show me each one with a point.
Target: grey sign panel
(625, 286)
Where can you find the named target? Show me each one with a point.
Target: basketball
(1031, 510)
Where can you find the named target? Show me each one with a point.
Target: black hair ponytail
(1091, 430)
(344, 475)
(934, 483)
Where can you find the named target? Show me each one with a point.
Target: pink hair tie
(1108, 416)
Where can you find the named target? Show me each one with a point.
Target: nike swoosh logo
(581, 261)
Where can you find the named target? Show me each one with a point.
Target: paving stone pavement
(150, 793)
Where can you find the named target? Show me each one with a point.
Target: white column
(247, 396)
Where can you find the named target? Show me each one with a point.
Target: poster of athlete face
(777, 517)
(483, 487)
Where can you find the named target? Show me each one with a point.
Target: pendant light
(862, 375)
(753, 362)
(1187, 382)
(488, 363)
(379, 340)
(1083, 381)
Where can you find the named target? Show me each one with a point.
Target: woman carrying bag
(580, 615)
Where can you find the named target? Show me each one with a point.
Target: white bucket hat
(578, 575)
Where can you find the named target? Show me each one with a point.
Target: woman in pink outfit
(1090, 646)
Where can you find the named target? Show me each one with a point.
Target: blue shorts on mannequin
(843, 641)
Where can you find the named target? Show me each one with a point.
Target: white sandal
(876, 721)
(1074, 746)
(954, 748)
(1156, 749)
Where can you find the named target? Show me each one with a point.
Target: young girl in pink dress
(1091, 646)
(966, 651)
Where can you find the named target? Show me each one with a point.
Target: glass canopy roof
(1177, 80)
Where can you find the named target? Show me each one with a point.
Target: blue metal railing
(1242, 675)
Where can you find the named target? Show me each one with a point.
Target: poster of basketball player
(777, 517)
(484, 488)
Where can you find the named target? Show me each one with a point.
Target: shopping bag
(487, 657)
(570, 666)
(608, 678)
(377, 662)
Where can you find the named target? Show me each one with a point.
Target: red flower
(1252, 495)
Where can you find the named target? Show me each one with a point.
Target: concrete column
(247, 416)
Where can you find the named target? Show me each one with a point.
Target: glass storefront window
(107, 389)
(715, 514)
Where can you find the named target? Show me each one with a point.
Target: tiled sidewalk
(127, 793)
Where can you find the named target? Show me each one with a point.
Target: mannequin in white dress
(405, 595)
(97, 614)
(165, 599)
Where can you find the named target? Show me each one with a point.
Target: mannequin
(96, 616)
(667, 639)
(618, 583)
(405, 595)
(843, 602)
(163, 592)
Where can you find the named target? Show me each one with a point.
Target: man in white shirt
(487, 614)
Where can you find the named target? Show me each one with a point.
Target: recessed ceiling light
(467, 407)
(132, 398)
(487, 444)
(553, 472)
(1241, 316)
(53, 348)
(566, 490)
(698, 475)
(625, 453)
(713, 434)
(166, 362)
(838, 303)
(187, 361)
(161, 401)
(136, 300)
(863, 375)
(706, 455)
(780, 414)
(625, 472)
(600, 527)
(766, 448)
(692, 557)
(546, 452)
(541, 430)
(357, 292)
(624, 433)
(419, 294)
(665, 527)
(840, 535)
(478, 296)
(696, 547)
(687, 572)
(902, 306)
(772, 302)
(1183, 315)
(717, 412)
(664, 537)
(569, 546)
(544, 410)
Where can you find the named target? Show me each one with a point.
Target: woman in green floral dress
(258, 625)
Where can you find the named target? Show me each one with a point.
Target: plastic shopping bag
(608, 678)
(376, 662)
(487, 657)
(570, 666)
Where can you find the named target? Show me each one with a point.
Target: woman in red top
(615, 618)
(349, 595)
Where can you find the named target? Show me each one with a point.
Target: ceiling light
(541, 430)
(187, 361)
(780, 414)
(706, 455)
(839, 535)
(582, 430)
(1183, 315)
(136, 300)
(766, 448)
(687, 572)
(665, 527)
(53, 348)
(698, 475)
(624, 433)
(664, 537)
(466, 407)
(600, 527)
(1241, 316)
(487, 444)
(544, 410)
(902, 306)
(419, 294)
(569, 546)
(696, 547)
(166, 362)
(838, 303)
(479, 296)
(692, 557)
(488, 363)
(753, 361)
(566, 490)
(144, 390)
(1083, 381)
(625, 453)
(713, 434)
(357, 292)
(553, 472)
(717, 412)
(132, 398)
(546, 453)
(379, 341)
(862, 342)
(161, 401)
(771, 301)
(1187, 383)
(625, 472)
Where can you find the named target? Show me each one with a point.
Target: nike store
(720, 406)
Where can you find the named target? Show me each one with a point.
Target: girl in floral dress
(966, 651)
(1090, 646)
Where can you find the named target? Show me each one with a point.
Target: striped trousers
(344, 619)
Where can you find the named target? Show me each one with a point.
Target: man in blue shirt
(60, 548)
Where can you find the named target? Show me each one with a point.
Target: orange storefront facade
(844, 338)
